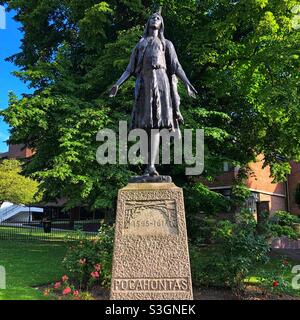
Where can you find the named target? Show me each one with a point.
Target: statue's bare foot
(151, 171)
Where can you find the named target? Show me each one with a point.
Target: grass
(24, 233)
(30, 264)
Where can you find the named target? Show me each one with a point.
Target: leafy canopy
(14, 187)
(242, 56)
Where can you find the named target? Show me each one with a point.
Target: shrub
(64, 289)
(238, 248)
(277, 279)
(204, 269)
(282, 224)
(241, 247)
(207, 227)
(284, 218)
(89, 261)
(200, 200)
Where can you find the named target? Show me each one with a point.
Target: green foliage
(207, 228)
(14, 187)
(200, 199)
(239, 194)
(284, 218)
(238, 249)
(284, 231)
(87, 256)
(277, 278)
(282, 224)
(204, 267)
(242, 58)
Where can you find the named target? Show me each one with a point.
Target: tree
(243, 57)
(14, 187)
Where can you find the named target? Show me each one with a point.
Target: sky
(9, 44)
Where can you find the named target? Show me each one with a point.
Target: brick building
(17, 151)
(273, 196)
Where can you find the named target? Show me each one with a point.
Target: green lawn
(29, 264)
(35, 233)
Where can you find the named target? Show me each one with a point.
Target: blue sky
(9, 44)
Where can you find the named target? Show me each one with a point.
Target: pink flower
(275, 283)
(95, 274)
(65, 278)
(66, 291)
(75, 293)
(97, 267)
(57, 285)
(82, 261)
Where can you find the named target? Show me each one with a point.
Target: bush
(241, 248)
(284, 218)
(199, 200)
(238, 248)
(282, 224)
(89, 261)
(204, 269)
(205, 228)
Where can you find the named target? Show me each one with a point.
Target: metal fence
(47, 229)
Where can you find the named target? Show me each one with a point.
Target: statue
(155, 64)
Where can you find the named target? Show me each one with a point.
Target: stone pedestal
(151, 259)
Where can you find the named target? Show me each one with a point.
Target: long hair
(160, 32)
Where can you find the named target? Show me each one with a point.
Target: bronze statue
(155, 64)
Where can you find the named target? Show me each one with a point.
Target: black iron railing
(46, 229)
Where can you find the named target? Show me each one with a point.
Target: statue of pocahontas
(155, 65)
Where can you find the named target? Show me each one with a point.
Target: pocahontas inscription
(152, 285)
(151, 259)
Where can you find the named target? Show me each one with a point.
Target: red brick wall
(261, 180)
(18, 151)
(276, 203)
(226, 179)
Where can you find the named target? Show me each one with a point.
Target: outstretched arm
(124, 77)
(176, 68)
(182, 76)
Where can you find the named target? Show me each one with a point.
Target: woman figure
(155, 64)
